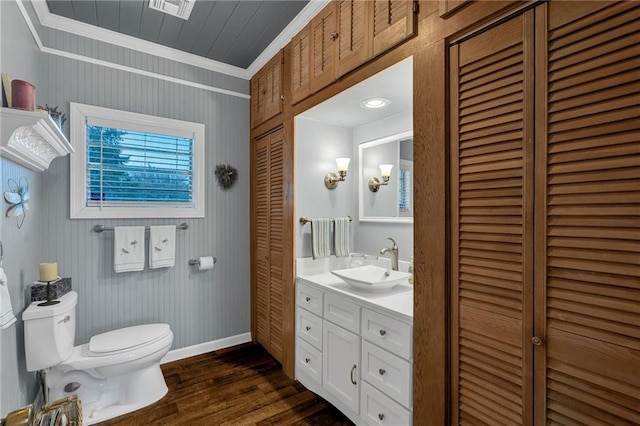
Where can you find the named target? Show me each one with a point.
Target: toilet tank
(49, 332)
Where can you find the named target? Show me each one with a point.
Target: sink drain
(71, 387)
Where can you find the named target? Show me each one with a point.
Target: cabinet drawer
(309, 361)
(310, 298)
(387, 372)
(343, 313)
(388, 333)
(378, 409)
(310, 328)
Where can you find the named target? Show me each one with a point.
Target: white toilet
(115, 373)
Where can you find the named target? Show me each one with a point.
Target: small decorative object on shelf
(23, 95)
(18, 198)
(56, 114)
(227, 175)
(66, 411)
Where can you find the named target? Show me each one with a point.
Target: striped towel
(320, 233)
(341, 236)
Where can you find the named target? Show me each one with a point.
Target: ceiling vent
(180, 8)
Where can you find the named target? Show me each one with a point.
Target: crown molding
(82, 29)
(294, 27)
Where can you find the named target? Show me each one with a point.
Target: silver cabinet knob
(307, 328)
(308, 299)
(381, 416)
(383, 332)
(307, 360)
(382, 371)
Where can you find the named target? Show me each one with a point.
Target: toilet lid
(126, 338)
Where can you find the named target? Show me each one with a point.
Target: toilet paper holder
(194, 262)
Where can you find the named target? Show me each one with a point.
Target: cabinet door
(492, 225)
(354, 34)
(393, 22)
(258, 99)
(272, 90)
(588, 195)
(268, 190)
(341, 360)
(324, 36)
(301, 65)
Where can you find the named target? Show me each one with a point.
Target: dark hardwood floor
(242, 385)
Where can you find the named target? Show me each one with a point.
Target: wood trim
(540, 251)
(289, 251)
(430, 346)
(529, 185)
(454, 140)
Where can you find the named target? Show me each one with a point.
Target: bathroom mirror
(382, 200)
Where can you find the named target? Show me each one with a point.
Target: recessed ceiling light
(180, 8)
(375, 103)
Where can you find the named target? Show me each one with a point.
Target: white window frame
(137, 122)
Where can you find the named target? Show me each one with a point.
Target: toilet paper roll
(206, 263)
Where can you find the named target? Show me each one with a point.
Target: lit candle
(48, 271)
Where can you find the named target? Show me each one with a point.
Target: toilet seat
(126, 339)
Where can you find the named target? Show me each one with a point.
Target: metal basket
(53, 413)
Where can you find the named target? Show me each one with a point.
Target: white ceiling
(394, 83)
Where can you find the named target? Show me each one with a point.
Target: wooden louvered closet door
(545, 218)
(354, 38)
(588, 213)
(268, 230)
(492, 227)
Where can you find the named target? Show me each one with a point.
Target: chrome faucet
(394, 253)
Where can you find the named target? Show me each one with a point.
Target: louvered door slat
(491, 220)
(588, 254)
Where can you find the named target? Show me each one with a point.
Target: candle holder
(50, 300)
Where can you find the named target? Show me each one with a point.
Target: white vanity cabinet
(356, 351)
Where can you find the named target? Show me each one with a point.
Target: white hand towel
(6, 311)
(128, 248)
(341, 236)
(320, 235)
(162, 246)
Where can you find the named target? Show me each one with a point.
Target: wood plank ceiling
(234, 32)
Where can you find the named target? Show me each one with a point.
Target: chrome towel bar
(304, 220)
(101, 228)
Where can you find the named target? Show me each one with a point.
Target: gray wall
(199, 306)
(317, 147)
(20, 58)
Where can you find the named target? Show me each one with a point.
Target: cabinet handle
(308, 299)
(334, 35)
(307, 328)
(352, 370)
(383, 332)
(382, 371)
(307, 360)
(537, 341)
(381, 416)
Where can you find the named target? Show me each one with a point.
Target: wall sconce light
(331, 179)
(385, 171)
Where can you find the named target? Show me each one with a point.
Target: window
(129, 165)
(404, 191)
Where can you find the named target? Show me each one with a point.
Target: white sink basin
(371, 278)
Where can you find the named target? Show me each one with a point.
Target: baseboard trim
(203, 348)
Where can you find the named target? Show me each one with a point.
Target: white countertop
(397, 301)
